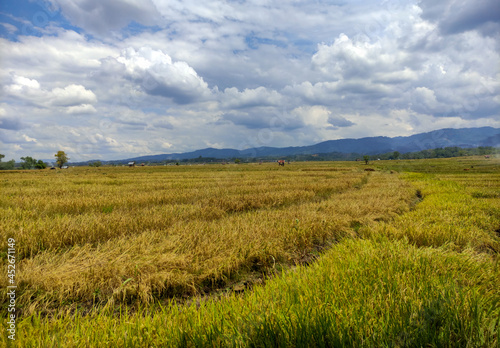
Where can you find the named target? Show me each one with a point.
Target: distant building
(131, 164)
(64, 167)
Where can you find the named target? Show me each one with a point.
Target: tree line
(29, 162)
(446, 152)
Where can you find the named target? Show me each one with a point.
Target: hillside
(463, 137)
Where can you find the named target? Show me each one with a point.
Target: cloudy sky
(112, 79)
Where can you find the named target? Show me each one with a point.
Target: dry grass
(104, 236)
(405, 259)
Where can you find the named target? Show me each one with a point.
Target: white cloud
(158, 75)
(24, 88)
(346, 58)
(396, 77)
(76, 98)
(29, 139)
(20, 82)
(316, 116)
(261, 96)
(425, 96)
(81, 109)
(72, 95)
(60, 59)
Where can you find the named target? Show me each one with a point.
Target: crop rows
(123, 235)
(310, 255)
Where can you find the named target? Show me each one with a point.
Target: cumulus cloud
(425, 97)
(394, 73)
(316, 116)
(81, 109)
(72, 95)
(76, 98)
(158, 75)
(261, 96)
(325, 93)
(24, 88)
(345, 58)
(29, 139)
(21, 83)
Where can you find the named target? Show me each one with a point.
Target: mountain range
(449, 137)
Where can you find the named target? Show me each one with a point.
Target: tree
(61, 158)
(28, 162)
(237, 161)
(6, 165)
(396, 155)
(366, 159)
(31, 163)
(40, 165)
(95, 164)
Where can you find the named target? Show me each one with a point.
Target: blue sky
(117, 79)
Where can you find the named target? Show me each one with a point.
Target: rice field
(310, 254)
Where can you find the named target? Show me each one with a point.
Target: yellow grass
(90, 237)
(160, 256)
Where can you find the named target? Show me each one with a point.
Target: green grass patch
(360, 293)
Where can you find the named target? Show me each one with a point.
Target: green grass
(450, 215)
(360, 293)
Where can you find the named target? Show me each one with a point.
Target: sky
(124, 78)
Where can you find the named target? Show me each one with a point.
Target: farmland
(310, 254)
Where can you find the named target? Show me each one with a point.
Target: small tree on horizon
(95, 164)
(40, 165)
(32, 163)
(28, 162)
(366, 159)
(6, 165)
(61, 158)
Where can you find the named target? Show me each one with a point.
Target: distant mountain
(449, 137)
